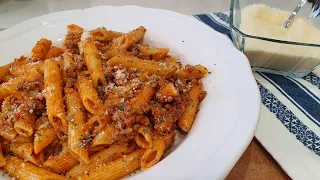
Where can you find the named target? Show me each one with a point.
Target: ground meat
(70, 44)
(162, 119)
(33, 84)
(102, 46)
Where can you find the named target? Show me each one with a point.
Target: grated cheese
(264, 21)
(85, 35)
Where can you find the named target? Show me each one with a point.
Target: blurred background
(15, 11)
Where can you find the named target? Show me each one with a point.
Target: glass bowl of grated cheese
(257, 30)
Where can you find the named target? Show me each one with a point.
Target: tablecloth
(289, 126)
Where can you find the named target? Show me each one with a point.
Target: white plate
(229, 114)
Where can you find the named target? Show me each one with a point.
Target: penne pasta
(41, 49)
(192, 72)
(153, 154)
(144, 137)
(168, 90)
(93, 61)
(53, 52)
(115, 52)
(147, 52)
(142, 99)
(23, 139)
(60, 163)
(106, 137)
(54, 101)
(4, 70)
(103, 157)
(98, 122)
(12, 85)
(158, 68)
(25, 68)
(17, 167)
(186, 121)
(117, 168)
(127, 40)
(6, 128)
(70, 44)
(89, 95)
(76, 117)
(91, 150)
(44, 135)
(25, 127)
(2, 159)
(73, 28)
(25, 152)
(102, 34)
(99, 107)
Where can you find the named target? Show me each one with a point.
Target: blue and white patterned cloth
(289, 126)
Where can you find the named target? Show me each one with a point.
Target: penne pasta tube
(192, 72)
(76, 117)
(44, 135)
(89, 95)
(93, 61)
(20, 70)
(2, 159)
(106, 137)
(168, 90)
(102, 157)
(17, 167)
(25, 151)
(54, 101)
(53, 52)
(4, 70)
(5, 144)
(23, 139)
(41, 49)
(147, 52)
(12, 85)
(73, 28)
(102, 34)
(60, 163)
(25, 126)
(4, 92)
(70, 44)
(158, 68)
(186, 121)
(170, 59)
(142, 99)
(115, 52)
(98, 122)
(144, 137)
(91, 150)
(6, 128)
(68, 63)
(153, 154)
(127, 40)
(117, 168)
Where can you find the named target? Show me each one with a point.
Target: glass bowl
(265, 51)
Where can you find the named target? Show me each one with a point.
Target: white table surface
(16, 11)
